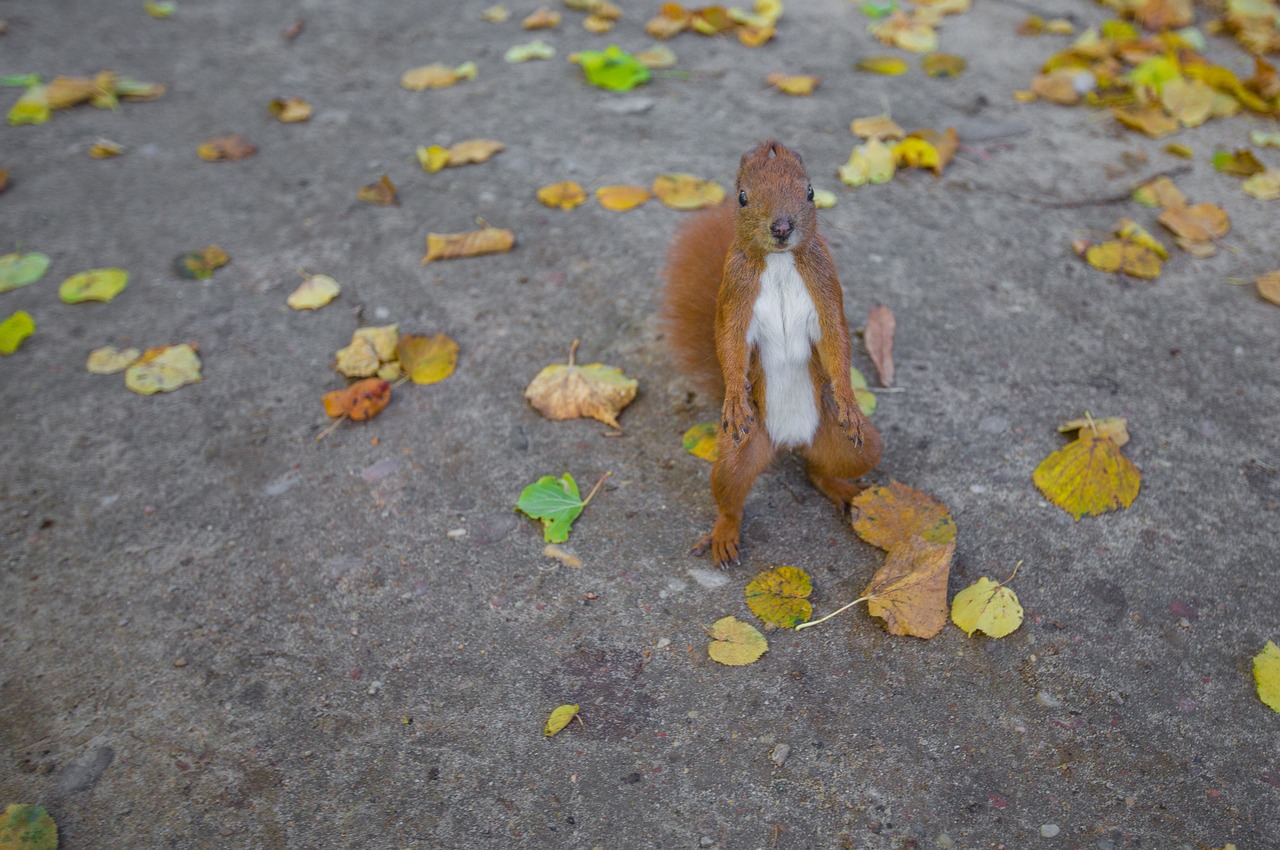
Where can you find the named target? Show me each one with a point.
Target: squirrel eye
(810, 196)
(742, 198)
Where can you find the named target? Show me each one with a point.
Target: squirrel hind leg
(731, 479)
(832, 460)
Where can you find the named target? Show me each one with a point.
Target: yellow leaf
(163, 369)
(780, 596)
(93, 285)
(433, 158)
(382, 193)
(915, 153)
(1265, 186)
(621, 198)
(1123, 256)
(108, 360)
(542, 19)
(657, 57)
(1115, 428)
(472, 243)
(436, 76)
(290, 110)
(564, 196)
(907, 32)
(1189, 101)
(988, 607)
(1269, 286)
(14, 330)
(314, 292)
(230, 148)
(752, 36)
(597, 391)
(527, 52)
(889, 66)
(824, 200)
(1196, 223)
(1057, 86)
(943, 65)
(672, 19)
(910, 591)
(105, 149)
(702, 440)
(559, 719)
(1130, 230)
(597, 24)
(473, 151)
(735, 643)
(1266, 675)
(799, 84)
(872, 162)
(894, 515)
(427, 359)
(1148, 119)
(1088, 476)
(876, 127)
(496, 14)
(32, 107)
(686, 192)
(369, 348)
(1160, 193)
(1179, 150)
(158, 8)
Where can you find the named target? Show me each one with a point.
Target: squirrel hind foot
(723, 545)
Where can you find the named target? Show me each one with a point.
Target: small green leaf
(159, 8)
(556, 502)
(866, 398)
(701, 441)
(14, 330)
(559, 719)
(1266, 675)
(25, 827)
(93, 285)
(877, 9)
(25, 81)
(20, 269)
(613, 68)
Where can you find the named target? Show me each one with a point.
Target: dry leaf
(943, 65)
(889, 66)
(897, 515)
(108, 360)
(229, 147)
(1196, 223)
(290, 110)
(1088, 476)
(314, 292)
(563, 196)
(780, 596)
(473, 243)
(362, 400)
(872, 162)
(910, 591)
(621, 198)
(1269, 286)
(201, 264)
(906, 31)
(672, 19)
(163, 369)
(542, 19)
(382, 193)
(800, 84)
(944, 144)
(735, 643)
(877, 127)
(1160, 193)
(1119, 255)
(657, 57)
(427, 359)
(369, 348)
(1132, 231)
(436, 76)
(1114, 428)
(105, 149)
(570, 392)
(878, 337)
(1057, 86)
(1151, 120)
(93, 285)
(1264, 186)
(1189, 101)
(686, 192)
(597, 25)
(1241, 163)
(564, 556)
(528, 52)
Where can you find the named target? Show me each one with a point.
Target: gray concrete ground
(217, 632)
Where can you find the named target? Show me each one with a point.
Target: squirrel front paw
(738, 417)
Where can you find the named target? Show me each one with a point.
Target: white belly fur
(784, 327)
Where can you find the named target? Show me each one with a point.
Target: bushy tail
(695, 266)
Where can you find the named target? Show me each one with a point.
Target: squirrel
(753, 308)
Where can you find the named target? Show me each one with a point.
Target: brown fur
(713, 280)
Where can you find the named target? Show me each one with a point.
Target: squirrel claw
(724, 549)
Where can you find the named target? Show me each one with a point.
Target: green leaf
(780, 596)
(556, 502)
(93, 285)
(866, 398)
(25, 827)
(613, 69)
(14, 330)
(559, 719)
(20, 269)
(25, 81)
(877, 9)
(160, 8)
(1266, 675)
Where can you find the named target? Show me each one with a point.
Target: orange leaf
(898, 515)
(565, 195)
(473, 243)
(621, 198)
(382, 193)
(362, 400)
(910, 591)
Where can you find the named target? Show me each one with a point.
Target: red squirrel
(753, 307)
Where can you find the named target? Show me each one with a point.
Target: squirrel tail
(695, 268)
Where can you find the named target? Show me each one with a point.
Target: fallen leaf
(473, 243)
(108, 360)
(878, 337)
(657, 57)
(686, 192)
(750, 36)
(910, 591)
(1157, 15)
(1160, 193)
(612, 68)
(1057, 86)
(988, 607)
(823, 199)
(436, 76)
(872, 162)
(1115, 428)
(32, 107)
(26, 827)
(564, 556)
(290, 110)
(159, 8)
(200, 265)
(621, 198)
(711, 20)
(1196, 223)
(427, 359)
(735, 643)
(596, 24)
(1119, 255)
(889, 516)
(1151, 120)
(496, 14)
(1130, 230)
(866, 398)
(560, 717)
(105, 149)
(368, 350)
(877, 127)
(562, 196)
(527, 52)
(382, 193)
(432, 159)
(780, 596)
(798, 84)
(945, 144)
(362, 400)
(314, 292)
(1241, 163)
(230, 147)
(1088, 476)
(569, 391)
(906, 31)
(4, 179)
(943, 65)
(1189, 101)
(1266, 675)
(702, 440)
(541, 19)
(877, 9)
(1265, 138)
(15, 329)
(93, 285)
(554, 501)
(1269, 286)
(18, 270)
(1180, 150)
(915, 153)
(671, 20)
(1264, 186)
(889, 66)
(163, 369)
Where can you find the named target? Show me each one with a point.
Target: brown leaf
(597, 391)
(289, 110)
(1058, 87)
(362, 400)
(1151, 120)
(1196, 223)
(877, 127)
(230, 147)
(878, 338)
(898, 515)
(382, 193)
(473, 243)
(910, 591)
(542, 19)
(1269, 286)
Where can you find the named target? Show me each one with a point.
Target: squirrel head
(775, 199)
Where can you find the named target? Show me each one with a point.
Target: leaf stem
(595, 488)
(1011, 575)
(333, 426)
(839, 610)
(573, 350)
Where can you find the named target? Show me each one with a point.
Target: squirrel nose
(781, 228)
